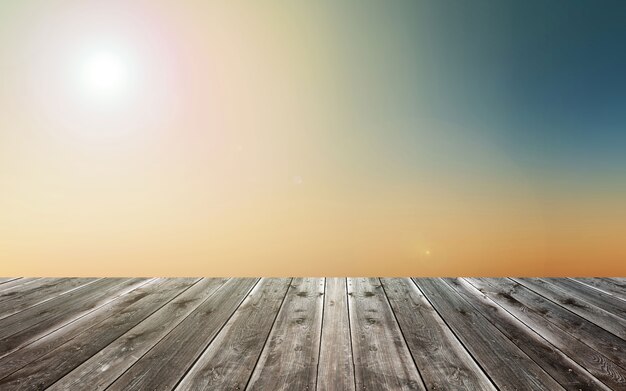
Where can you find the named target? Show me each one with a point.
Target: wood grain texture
(14, 283)
(289, 359)
(567, 372)
(22, 287)
(336, 366)
(38, 292)
(619, 282)
(228, 362)
(606, 301)
(575, 303)
(29, 353)
(162, 367)
(312, 333)
(443, 361)
(507, 366)
(29, 325)
(543, 317)
(602, 285)
(108, 364)
(52, 366)
(382, 360)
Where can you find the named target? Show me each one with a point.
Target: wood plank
(601, 340)
(382, 360)
(143, 343)
(22, 328)
(29, 353)
(7, 279)
(605, 286)
(605, 301)
(14, 285)
(52, 366)
(25, 286)
(555, 324)
(507, 366)
(289, 359)
(229, 360)
(166, 363)
(442, 360)
(620, 282)
(557, 364)
(576, 304)
(39, 292)
(109, 363)
(336, 366)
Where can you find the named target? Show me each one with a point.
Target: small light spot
(427, 252)
(297, 180)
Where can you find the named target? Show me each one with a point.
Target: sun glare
(105, 74)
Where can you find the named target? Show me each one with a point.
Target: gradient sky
(314, 138)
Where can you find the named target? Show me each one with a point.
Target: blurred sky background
(314, 138)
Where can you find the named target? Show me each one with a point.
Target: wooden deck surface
(312, 334)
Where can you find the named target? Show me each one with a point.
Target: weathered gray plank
(562, 368)
(605, 286)
(229, 360)
(336, 367)
(24, 327)
(29, 353)
(56, 330)
(507, 366)
(619, 282)
(7, 279)
(605, 301)
(166, 363)
(442, 360)
(289, 359)
(52, 366)
(14, 285)
(38, 292)
(555, 324)
(573, 302)
(109, 363)
(24, 286)
(381, 358)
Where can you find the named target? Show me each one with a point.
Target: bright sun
(105, 74)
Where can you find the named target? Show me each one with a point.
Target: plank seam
(127, 369)
(52, 330)
(216, 334)
(569, 333)
(350, 331)
(557, 327)
(557, 289)
(9, 279)
(254, 368)
(67, 324)
(319, 347)
(104, 347)
(18, 284)
(4, 316)
(406, 344)
(596, 288)
(456, 336)
(524, 327)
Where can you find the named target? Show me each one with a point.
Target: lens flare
(105, 75)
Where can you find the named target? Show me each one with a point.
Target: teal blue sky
(543, 81)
